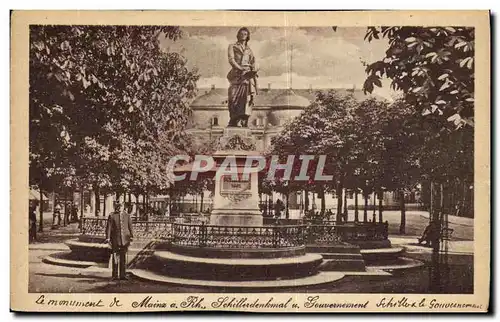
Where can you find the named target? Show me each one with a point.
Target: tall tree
(101, 97)
(325, 128)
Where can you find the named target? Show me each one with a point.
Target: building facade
(272, 109)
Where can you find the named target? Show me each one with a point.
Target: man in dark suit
(119, 234)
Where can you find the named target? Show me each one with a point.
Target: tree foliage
(373, 146)
(107, 106)
(432, 66)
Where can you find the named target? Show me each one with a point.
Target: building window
(215, 121)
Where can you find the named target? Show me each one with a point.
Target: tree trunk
(356, 211)
(374, 214)
(104, 205)
(201, 201)
(40, 226)
(81, 206)
(345, 206)
(464, 199)
(97, 201)
(431, 202)
(456, 202)
(451, 201)
(339, 200)
(323, 202)
(65, 215)
(287, 212)
(306, 201)
(402, 226)
(380, 197)
(436, 220)
(365, 211)
(136, 203)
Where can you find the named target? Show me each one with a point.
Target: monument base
(236, 195)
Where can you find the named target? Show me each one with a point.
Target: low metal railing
(242, 237)
(329, 232)
(142, 230)
(94, 226)
(267, 236)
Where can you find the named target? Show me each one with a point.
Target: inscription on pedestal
(233, 185)
(235, 190)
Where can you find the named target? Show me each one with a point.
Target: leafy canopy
(107, 105)
(432, 66)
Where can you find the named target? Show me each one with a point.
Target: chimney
(212, 87)
(268, 86)
(310, 88)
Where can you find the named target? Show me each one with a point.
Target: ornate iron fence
(143, 230)
(245, 237)
(242, 237)
(95, 227)
(330, 232)
(147, 230)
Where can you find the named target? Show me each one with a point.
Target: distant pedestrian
(56, 217)
(67, 209)
(329, 215)
(119, 235)
(74, 213)
(278, 207)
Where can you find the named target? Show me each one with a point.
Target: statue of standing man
(242, 80)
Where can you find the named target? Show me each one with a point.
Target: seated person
(429, 235)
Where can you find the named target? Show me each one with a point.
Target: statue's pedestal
(236, 195)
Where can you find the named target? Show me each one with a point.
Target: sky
(285, 56)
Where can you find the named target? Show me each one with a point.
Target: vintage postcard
(250, 161)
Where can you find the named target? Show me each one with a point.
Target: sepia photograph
(225, 160)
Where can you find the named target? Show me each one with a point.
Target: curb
(55, 259)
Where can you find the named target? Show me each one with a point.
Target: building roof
(274, 97)
(290, 99)
(211, 97)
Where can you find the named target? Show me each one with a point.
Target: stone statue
(242, 80)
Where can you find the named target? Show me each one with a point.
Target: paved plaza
(45, 277)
